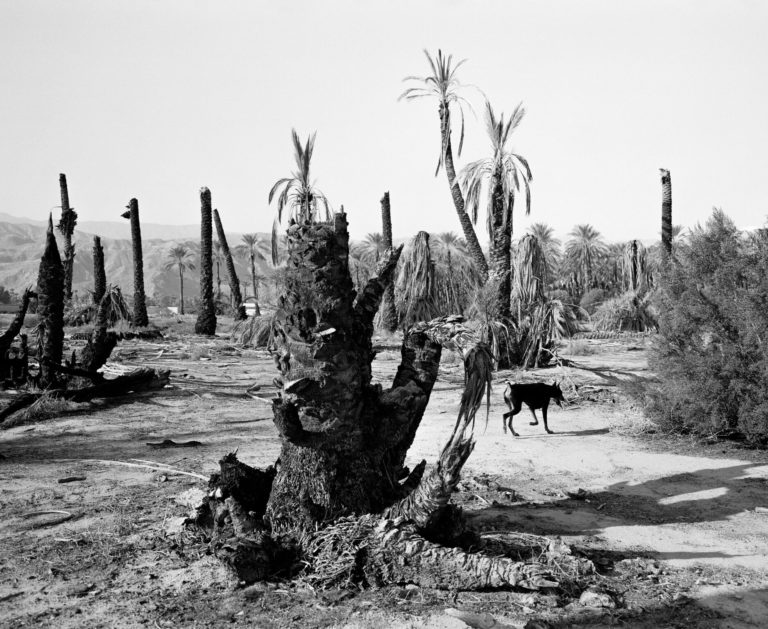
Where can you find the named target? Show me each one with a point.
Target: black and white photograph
(343, 314)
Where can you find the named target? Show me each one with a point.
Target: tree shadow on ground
(706, 495)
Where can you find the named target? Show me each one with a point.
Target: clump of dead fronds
(47, 406)
(117, 310)
(254, 331)
(629, 312)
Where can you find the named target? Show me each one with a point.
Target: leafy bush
(710, 355)
(592, 299)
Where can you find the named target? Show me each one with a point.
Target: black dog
(535, 395)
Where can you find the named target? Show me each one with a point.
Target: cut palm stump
(339, 504)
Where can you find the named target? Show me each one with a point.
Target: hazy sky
(156, 99)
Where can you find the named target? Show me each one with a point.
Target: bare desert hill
(22, 241)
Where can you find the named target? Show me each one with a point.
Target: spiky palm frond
(298, 192)
(442, 84)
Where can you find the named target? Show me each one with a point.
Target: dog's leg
(544, 415)
(515, 410)
(535, 421)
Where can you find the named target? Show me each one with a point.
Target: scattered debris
(595, 596)
(168, 443)
(71, 479)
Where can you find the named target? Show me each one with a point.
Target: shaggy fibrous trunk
(50, 310)
(501, 247)
(473, 245)
(234, 282)
(666, 213)
(206, 315)
(67, 227)
(99, 274)
(388, 310)
(140, 318)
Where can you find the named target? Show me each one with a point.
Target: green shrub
(710, 355)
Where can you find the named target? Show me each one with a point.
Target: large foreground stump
(339, 503)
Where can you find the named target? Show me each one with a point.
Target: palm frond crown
(298, 193)
(510, 169)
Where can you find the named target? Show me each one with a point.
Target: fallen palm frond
(254, 331)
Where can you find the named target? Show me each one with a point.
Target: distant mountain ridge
(22, 241)
(122, 229)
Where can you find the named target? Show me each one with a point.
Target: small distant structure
(250, 308)
(173, 309)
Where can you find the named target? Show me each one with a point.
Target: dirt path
(610, 496)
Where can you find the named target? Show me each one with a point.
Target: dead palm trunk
(666, 214)
(67, 227)
(99, 274)
(234, 282)
(388, 310)
(473, 245)
(140, 318)
(50, 308)
(206, 315)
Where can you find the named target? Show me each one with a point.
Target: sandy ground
(689, 516)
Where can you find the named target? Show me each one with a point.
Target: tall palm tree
(582, 251)
(550, 245)
(140, 318)
(251, 249)
(496, 181)
(297, 192)
(180, 257)
(443, 85)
